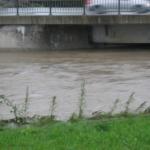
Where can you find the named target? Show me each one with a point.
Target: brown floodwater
(108, 75)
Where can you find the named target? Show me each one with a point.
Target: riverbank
(123, 133)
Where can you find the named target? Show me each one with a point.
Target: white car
(105, 6)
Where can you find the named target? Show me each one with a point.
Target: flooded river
(108, 75)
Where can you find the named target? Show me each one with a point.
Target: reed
(52, 108)
(82, 100)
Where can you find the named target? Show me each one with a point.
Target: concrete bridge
(67, 32)
(72, 27)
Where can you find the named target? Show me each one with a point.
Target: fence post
(50, 7)
(17, 7)
(118, 7)
(83, 1)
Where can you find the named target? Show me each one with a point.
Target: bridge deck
(74, 20)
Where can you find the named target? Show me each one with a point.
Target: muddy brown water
(108, 75)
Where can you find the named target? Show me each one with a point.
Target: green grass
(130, 133)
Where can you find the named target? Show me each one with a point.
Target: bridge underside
(75, 20)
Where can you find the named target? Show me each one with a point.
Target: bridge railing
(74, 7)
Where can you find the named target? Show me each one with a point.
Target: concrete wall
(45, 37)
(21, 37)
(134, 33)
(67, 37)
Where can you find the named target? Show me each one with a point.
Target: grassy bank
(123, 133)
(127, 130)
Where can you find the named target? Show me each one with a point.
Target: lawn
(124, 133)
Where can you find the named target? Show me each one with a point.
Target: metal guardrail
(74, 7)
